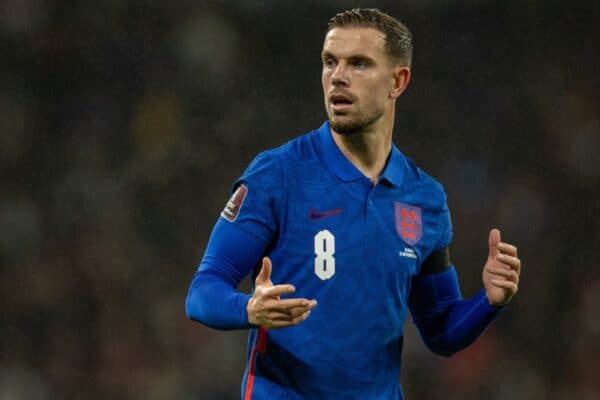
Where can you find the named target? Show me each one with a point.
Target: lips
(340, 101)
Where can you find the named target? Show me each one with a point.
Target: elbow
(198, 302)
(445, 353)
(195, 310)
(440, 343)
(436, 340)
(193, 301)
(441, 347)
(190, 310)
(446, 345)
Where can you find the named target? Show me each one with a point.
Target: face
(358, 78)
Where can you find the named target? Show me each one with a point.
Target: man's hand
(501, 271)
(267, 309)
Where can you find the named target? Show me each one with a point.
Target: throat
(368, 152)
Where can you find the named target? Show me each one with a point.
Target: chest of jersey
(352, 244)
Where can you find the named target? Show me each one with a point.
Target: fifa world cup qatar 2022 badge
(233, 206)
(408, 222)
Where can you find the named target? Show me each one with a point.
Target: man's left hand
(501, 271)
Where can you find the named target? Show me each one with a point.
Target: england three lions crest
(408, 222)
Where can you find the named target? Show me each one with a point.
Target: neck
(368, 149)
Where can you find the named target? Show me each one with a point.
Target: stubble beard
(349, 125)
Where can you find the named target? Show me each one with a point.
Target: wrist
(248, 309)
(493, 304)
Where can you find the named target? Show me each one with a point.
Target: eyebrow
(327, 54)
(355, 57)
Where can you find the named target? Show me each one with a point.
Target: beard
(346, 124)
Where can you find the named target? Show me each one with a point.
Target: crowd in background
(123, 125)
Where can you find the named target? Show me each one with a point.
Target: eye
(329, 62)
(361, 64)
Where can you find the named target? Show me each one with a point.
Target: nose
(339, 76)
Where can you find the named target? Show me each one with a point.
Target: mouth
(340, 102)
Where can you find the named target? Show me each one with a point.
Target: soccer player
(343, 235)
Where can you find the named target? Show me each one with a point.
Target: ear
(401, 77)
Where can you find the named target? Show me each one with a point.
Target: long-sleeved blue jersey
(355, 247)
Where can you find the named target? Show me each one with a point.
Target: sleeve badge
(234, 205)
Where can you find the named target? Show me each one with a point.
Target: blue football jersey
(351, 245)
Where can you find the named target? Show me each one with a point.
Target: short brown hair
(398, 39)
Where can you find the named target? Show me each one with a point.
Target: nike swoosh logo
(315, 215)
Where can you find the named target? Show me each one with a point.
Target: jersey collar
(394, 169)
(345, 170)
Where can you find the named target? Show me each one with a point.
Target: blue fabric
(447, 323)
(212, 298)
(342, 241)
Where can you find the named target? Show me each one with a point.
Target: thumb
(264, 275)
(493, 242)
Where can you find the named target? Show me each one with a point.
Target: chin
(348, 125)
(345, 128)
(344, 125)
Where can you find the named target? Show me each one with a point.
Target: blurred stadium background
(123, 125)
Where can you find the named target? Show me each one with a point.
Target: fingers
(502, 270)
(278, 316)
(494, 242)
(508, 267)
(289, 322)
(512, 286)
(299, 311)
(278, 290)
(264, 276)
(286, 305)
(504, 252)
(508, 274)
(266, 308)
(289, 314)
(507, 248)
(510, 261)
(300, 318)
(281, 313)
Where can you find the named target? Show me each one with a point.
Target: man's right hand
(267, 309)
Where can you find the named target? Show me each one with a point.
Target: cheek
(325, 78)
(373, 89)
(380, 92)
(373, 96)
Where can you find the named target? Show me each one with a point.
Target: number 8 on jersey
(324, 251)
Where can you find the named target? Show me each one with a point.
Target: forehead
(348, 41)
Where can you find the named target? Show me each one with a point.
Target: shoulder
(281, 158)
(429, 190)
(430, 195)
(299, 148)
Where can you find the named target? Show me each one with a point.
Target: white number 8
(324, 251)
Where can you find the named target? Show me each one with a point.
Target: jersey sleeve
(446, 322)
(212, 297)
(437, 259)
(257, 201)
(247, 227)
(444, 224)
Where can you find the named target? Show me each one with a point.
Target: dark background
(123, 125)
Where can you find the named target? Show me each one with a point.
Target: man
(343, 235)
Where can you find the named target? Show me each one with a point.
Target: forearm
(213, 302)
(459, 326)
(447, 323)
(212, 299)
